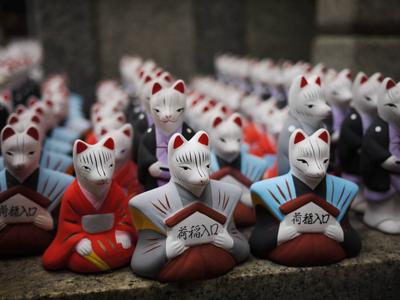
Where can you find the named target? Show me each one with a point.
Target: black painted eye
(222, 140)
(391, 105)
(123, 151)
(335, 93)
(326, 160)
(208, 166)
(368, 98)
(180, 109)
(185, 168)
(156, 110)
(111, 165)
(9, 153)
(31, 152)
(310, 105)
(86, 168)
(238, 140)
(302, 161)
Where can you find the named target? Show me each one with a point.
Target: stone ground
(375, 274)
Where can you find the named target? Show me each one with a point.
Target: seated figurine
(230, 164)
(186, 229)
(302, 215)
(94, 228)
(380, 162)
(29, 194)
(167, 107)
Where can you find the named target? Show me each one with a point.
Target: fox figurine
(302, 215)
(186, 228)
(94, 233)
(307, 110)
(29, 194)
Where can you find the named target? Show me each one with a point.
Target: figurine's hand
(392, 164)
(155, 169)
(223, 240)
(84, 247)
(335, 232)
(174, 247)
(123, 238)
(286, 233)
(44, 220)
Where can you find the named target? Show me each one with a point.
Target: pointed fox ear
(13, 119)
(39, 110)
(80, 146)
(33, 132)
(109, 143)
(217, 121)
(363, 79)
(103, 131)
(20, 109)
(179, 86)
(167, 78)
(324, 135)
(7, 132)
(203, 139)
(390, 84)
(32, 100)
(318, 81)
(127, 130)
(35, 119)
(237, 119)
(349, 76)
(298, 136)
(147, 79)
(303, 82)
(178, 141)
(121, 119)
(156, 88)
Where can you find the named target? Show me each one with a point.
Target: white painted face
(309, 156)
(189, 161)
(365, 93)
(226, 137)
(21, 150)
(389, 102)
(271, 117)
(164, 79)
(307, 101)
(168, 106)
(123, 144)
(94, 164)
(109, 123)
(338, 89)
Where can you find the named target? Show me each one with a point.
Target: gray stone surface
(375, 274)
(361, 16)
(369, 54)
(158, 29)
(67, 32)
(280, 29)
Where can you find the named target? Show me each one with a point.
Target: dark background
(86, 38)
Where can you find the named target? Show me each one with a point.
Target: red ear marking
(203, 139)
(6, 96)
(80, 147)
(380, 78)
(224, 109)
(238, 121)
(121, 119)
(363, 79)
(206, 109)
(98, 119)
(180, 87)
(299, 137)
(217, 121)
(7, 132)
(318, 81)
(390, 84)
(349, 76)
(195, 102)
(141, 74)
(39, 111)
(167, 78)
(49, 103)
(212, 102)
(33, 132)
(147, 79)
(109, 143)
(156, 88)
(32, 101)
(303, 82)
(20, 110)
(324, 136)
(127, 132)
(158, 74)
(178, 142)
(115, 109)
(35, 119)
(103, 132)
(13, 120)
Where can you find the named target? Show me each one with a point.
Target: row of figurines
(185, 229)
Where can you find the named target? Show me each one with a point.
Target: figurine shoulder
(142, 200)
(226, 188)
